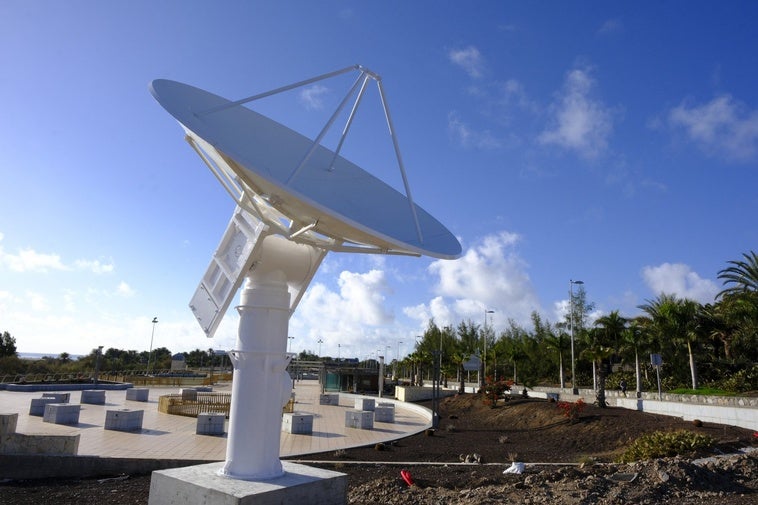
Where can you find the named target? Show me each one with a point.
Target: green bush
(660, 444)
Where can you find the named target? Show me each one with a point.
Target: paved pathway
(165, 436)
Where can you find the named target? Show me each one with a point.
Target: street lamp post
(397, 359)
(320, 341)
(289, 348)
(575, 389)
(150, 353)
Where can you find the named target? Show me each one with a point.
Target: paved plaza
(165, 436)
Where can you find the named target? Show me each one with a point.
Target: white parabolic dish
(344, 202)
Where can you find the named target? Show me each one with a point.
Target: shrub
(494, 390)
(572, 410)
(660, 444)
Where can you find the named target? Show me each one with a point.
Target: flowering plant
(493, 390)
(572, 410)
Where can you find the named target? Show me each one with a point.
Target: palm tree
(742, 274)
(597, 350)
(632, 340)
(604, 341)
(675, 319)
(560, 343)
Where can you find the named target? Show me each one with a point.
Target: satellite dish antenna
(296, 201)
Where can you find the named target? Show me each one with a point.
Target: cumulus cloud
(94, 266)
(490, 275)
(29, 260)
(721, 127)
(679, 279)
(579, 122)
(469, 59)
(313, 96)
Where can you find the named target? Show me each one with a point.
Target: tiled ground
(165, 436)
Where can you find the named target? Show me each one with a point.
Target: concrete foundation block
(297, 423)
(364, 404)
(93, 396)
(37, 407)
(329, 399)
(203, 484)
(8, 423)
(123, 420)
(61, 413)
(384, 413)
(361, 419)
(210, 424)
(137, 394)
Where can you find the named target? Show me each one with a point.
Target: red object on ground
(406, 475)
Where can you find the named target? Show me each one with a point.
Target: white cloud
(464, 135)
(469, 59)
(125, 290)
(490, 275)
(722, 126)
(312, 96)
(610, 26)
(28, 260)
(678, 279)
(94, 266)
(579, 122)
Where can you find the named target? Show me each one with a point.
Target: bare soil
(567, 463)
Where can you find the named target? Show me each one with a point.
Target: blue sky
(614, 143)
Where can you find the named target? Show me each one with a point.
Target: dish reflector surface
(344, 202)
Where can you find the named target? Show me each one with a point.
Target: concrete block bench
(61, 413)
(329, 399)
(189, 394)
(93, 396)
(364, 404)
(210, 423)
(297, 423)
(123, 420)
(137, 394)
(384, 413)
(59, 397)
(8, 423)
(37, 407)
(361, 419)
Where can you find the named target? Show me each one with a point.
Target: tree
(676, 320)
(603, 342)
(7, 345)
(632, 340)
(742, 276)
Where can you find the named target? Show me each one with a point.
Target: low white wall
(416, 394)
(727, 410)
(743, 417)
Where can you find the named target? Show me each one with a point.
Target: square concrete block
(8, 423)
(210, 424)
(123, 420)
(297, 423)
(61, 413)
(361, 419)
(137, 394)
(364, 404)
(93, 396)
(37, 407)
(59, 397)
(329, 399)
(189, 394)
(384, 413)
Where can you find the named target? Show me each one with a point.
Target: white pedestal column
(261, 386)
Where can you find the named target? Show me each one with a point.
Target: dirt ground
(565, 463)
